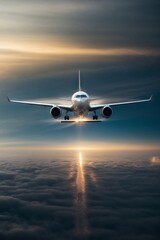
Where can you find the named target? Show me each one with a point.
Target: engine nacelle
(56, 112)
(107, 112)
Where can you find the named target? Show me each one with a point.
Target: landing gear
(66, 117)
(95, 117)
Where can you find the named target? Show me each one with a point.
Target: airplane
(80, 105)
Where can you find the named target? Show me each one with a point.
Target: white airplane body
(81, 106)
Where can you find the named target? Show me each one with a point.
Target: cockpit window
(83, 96)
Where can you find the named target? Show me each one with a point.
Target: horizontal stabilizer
(76, 121)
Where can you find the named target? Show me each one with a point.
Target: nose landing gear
(66, 117)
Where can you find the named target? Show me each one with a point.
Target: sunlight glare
(80, 199)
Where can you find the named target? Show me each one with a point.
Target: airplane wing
(65, 107)
(98, 106)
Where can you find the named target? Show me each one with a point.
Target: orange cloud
(85, 146)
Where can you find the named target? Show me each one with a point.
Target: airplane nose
(81, 100)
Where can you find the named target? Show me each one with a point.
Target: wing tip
(8, 99)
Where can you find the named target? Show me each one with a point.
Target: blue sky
(114, 43)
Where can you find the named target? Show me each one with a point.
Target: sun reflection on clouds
(80, 180)
(80, 198)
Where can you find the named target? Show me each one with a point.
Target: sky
(88, 181)
(116, 46)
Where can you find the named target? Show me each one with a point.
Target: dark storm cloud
(38, 198)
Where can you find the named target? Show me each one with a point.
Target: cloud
(103, 24)
(34, 214)
(53, 196)
(155, 159)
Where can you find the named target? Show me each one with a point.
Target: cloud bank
(68, 195)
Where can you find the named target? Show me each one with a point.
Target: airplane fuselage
(80, 103)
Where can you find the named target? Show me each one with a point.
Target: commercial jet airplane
(81, 105)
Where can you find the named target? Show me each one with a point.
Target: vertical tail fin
(79, 77)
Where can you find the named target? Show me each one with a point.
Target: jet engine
(56, 112)
(106, 112)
